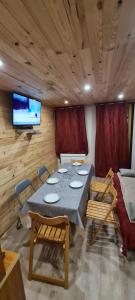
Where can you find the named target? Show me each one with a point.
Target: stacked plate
(76, 163)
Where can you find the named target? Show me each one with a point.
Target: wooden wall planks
(21, 156)
(50, 49)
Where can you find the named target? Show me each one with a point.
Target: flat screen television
(26, 110)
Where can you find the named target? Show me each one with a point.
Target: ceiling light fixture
(87, 87)
(120, 96)
(66, 101)
(1, 63)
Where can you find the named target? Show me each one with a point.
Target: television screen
(26, 111)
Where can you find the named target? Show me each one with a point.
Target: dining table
(72, 200)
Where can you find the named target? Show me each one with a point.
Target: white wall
(133, 144)
(90, 119)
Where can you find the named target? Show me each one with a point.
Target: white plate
(62, 170)
(82, 172)
(51, 198)
(76, 163)
(76, 184)
(52, 180)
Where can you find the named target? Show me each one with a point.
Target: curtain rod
(74, 106)
(111, 103)
(96, 104)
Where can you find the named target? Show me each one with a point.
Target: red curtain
(112, 148)
(70, 131)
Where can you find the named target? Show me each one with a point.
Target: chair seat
(51, 233)
(99, 187)
(98, 210)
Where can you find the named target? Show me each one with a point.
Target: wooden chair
(102, 187)
(54, 230)
(103, 212)
(82, 161)
(43, 173)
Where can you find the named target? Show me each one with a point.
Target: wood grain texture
(92, 269)
(12, 284)
(20, 157)
(50, 49)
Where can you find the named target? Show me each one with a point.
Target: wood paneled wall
(20, 156)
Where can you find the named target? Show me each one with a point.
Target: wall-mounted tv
(26, 110)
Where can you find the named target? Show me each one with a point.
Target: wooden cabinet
(11, 286)
(2, 268)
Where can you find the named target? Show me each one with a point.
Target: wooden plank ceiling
(51, 48)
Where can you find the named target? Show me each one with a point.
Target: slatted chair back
(39, 221)
(102, 188)
(110, 174)
(109, 217)
(103, 212)
(113, 193)
(105, 188)
(54, 230)
(43, 173)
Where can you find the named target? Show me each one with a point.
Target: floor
(96, 272)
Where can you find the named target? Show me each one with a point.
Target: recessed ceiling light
(1, 63)
(87, 87)
(66, 101)
(120, 96)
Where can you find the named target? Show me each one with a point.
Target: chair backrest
(110, 174)
(82, 161)
(60, 221)
(41, 171)
(108, 181)
(20, 187)
(113, 193)
(36, 217)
